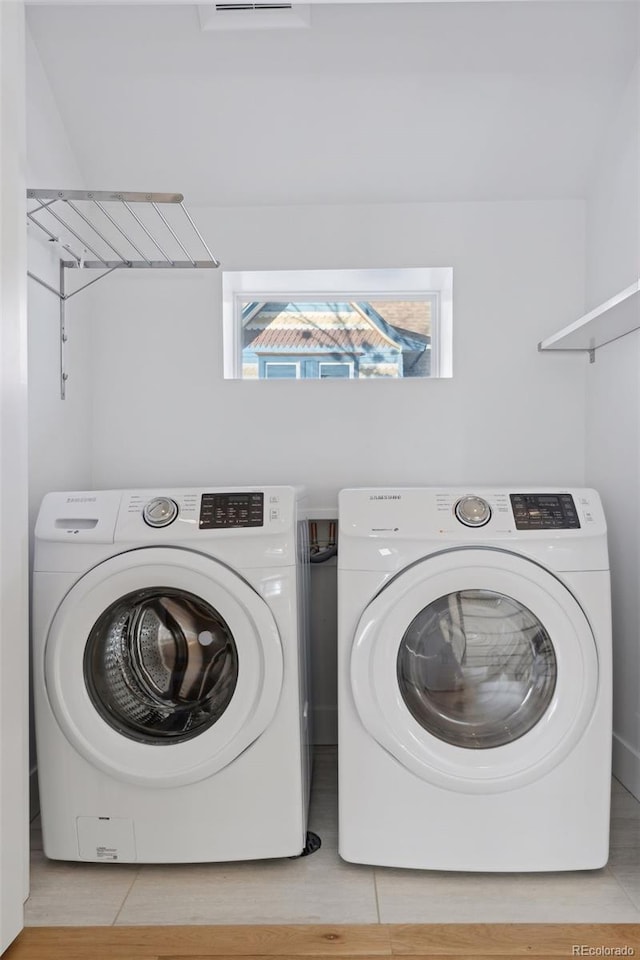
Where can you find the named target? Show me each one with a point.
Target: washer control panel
(223, 510)
(544, 511)
(160, 512)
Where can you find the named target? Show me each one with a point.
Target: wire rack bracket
(108, 230)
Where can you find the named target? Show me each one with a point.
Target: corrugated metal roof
(301, 321)
(345, 341)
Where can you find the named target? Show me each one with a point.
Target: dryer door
(162, 666)
(477, 669)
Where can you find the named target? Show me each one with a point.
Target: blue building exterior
(321, 340)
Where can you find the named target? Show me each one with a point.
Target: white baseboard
(626, 765)
(325, 725)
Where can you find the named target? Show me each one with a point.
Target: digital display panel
(220, 511)
(544, 511)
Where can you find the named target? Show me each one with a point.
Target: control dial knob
(160, 512)
(473, 511)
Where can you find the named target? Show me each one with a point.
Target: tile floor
(323, 889)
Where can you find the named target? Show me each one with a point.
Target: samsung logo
(385, 496)
(81, 499)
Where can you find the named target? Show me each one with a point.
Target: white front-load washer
(170, 674)
(474, 679)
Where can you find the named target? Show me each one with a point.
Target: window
(337, 324)
(332, 369)
(280, 371)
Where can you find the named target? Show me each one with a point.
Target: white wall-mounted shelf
(610, 321)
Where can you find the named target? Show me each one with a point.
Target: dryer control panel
(388, 528)
(472, 514)
(544, 511)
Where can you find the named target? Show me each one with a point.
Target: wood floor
(302, 942)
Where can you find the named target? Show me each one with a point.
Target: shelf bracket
(60, 293)
(116, 222)
(63, 296)
(64, 376)
(613, 319)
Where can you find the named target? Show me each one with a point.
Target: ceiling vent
(254, 16)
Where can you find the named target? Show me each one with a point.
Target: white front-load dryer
(170, 674)
(474, 679)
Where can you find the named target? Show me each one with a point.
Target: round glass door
(160, 665)
(476, 669)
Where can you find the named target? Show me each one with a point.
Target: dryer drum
(476, 669)
(160, 665)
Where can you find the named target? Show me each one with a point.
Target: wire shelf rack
(107, 231)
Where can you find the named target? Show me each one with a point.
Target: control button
(160, 512)
(473, 511)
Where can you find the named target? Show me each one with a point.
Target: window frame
(281, 363)
(336, 363)
(434, 284)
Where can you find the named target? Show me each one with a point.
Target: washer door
(162, 666)
(476, 669)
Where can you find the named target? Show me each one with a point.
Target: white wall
(613, 208)
(14, 863)
(163, 414)
(613, 410)
(59, 431)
